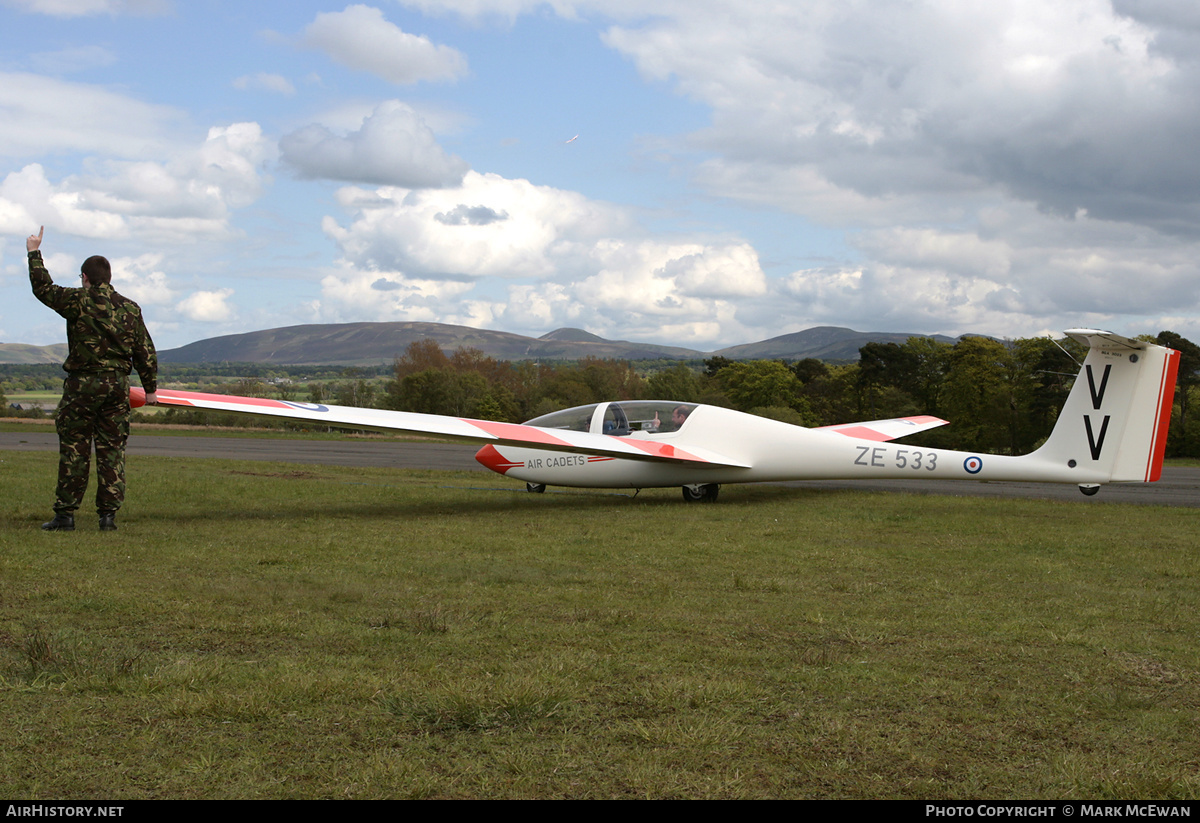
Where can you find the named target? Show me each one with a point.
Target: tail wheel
(535, 488)
(701, 493)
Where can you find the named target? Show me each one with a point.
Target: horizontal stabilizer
(883, 430)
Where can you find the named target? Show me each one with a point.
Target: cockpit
(619, 419)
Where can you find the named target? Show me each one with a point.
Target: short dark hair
(97, 270)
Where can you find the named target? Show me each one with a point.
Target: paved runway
(401, 455)
(1179, 486)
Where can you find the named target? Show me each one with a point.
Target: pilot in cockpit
(678, 417)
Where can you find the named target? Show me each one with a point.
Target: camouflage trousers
(94, 408)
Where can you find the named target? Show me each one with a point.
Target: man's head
(97, 270)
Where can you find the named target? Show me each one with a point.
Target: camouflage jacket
(105, 331)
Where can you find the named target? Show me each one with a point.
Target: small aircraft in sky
(1112, 429)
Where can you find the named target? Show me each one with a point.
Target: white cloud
(207, 306)
(27, 198)
(73, 59)
(569, 9)
(996, 168)
(142, 279)
(176, 201)
(352, 294)
(87, 8)
(360, 38)
(18, 191)
(419, 255)
(274, 83)
(1021, 273)
(393, 146)
(40, 116)
(197, 188)
(1068, 105)
(1000, 168)
(414, 231)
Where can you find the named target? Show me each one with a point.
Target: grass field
(260, 630)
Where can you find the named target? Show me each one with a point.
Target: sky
(699, 173)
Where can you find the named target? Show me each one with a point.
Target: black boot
(108, 521)
(62, 522)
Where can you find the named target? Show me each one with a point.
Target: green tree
(809, 369)
(611, 379)
(884, 372)
(439, 391)
(977, 397)
(761, 383)
(930, 361)
(833, 397)
(679, 382)
(419, 356)
(1181, 441)
(1041, 373)
(357, 392)
(714, 364)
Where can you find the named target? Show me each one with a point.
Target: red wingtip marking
(515, 432)
(137, 397)
(864, 433)
(662, 450)
(181, 398)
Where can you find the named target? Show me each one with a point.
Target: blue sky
(742, 170)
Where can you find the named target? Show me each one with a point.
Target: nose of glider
(490, 457)
(137, 397)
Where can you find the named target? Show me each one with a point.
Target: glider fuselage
(768, 450)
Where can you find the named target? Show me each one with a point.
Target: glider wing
(460, 428)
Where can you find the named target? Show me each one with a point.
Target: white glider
(1112, 429)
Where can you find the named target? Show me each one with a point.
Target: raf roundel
(313, 407)
(973, 464)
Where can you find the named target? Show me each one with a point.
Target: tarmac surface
(1178, 487)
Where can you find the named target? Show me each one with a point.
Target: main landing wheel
(1089, 488)
(701, 493)
(535, 488)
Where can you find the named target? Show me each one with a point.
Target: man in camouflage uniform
(106, 338)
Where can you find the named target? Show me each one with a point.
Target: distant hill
(24, 353)
(373, 343)
(360, 344)
(821, 342)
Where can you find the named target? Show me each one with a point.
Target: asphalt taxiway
(1178, 486)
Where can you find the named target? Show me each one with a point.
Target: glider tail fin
(1113, 427)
